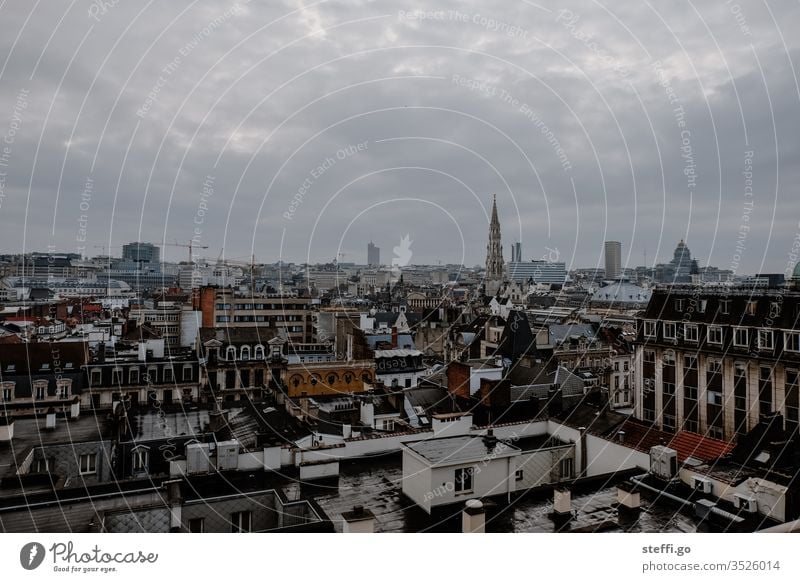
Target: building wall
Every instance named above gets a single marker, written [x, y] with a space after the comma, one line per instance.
[542, 467]
[328, 378]
[416, 482]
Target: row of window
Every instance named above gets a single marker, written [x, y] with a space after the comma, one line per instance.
[39, 392]
[715, 335]
[263, 306]
[134, 377]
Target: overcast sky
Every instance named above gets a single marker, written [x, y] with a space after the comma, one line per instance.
[303, 130]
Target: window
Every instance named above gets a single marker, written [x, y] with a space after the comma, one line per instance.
[679, 303]
[691, 425]
[691, 332]
[241, 521]
[701, 305]
[741, 337]
[766, 339]
[96, 377]
[187, 373]
[725, 306]
[7, 391]
[42, 466]
[714, 334]
[63, 388]
[791, 341]
[669, 422]
[566, 468]
[750, 309]
[40, 389]
[88, 464]
[669, 388]
[690, 392]
[625, 366]
[649, 329]
[463, 479]
[230, 353]
[714, 367]
[197, 525]
[669, 330]
[649, 356]
[141, 458]
[116, 376]
[258, 354]
[714, 398]
[518, 475]
[133, 376]
[616, 366]
[245, 351]
[168, 374]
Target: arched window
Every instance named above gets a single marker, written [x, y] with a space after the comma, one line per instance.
[332, 379]
[230, 353]
[258, 354]
[140, 461]
[245, 352]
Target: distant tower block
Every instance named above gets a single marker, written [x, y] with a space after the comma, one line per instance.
[373, 255]
[613, 254]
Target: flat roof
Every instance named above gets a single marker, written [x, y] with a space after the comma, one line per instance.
[461, 449]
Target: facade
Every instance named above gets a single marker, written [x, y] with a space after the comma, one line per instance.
[163, 316]
[613, 256]
[140, 252]
[274, 314]
[546, 272]
[399, 368]
[494, 254]
[373, 255]
[143, 377]
[442, 471]
[714, 361]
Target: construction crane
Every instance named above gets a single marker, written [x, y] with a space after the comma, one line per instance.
[186, 246]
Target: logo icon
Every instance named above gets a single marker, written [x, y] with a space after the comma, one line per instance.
[31, 555]
[402, 257]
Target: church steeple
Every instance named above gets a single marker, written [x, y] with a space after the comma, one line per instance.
[494, 253]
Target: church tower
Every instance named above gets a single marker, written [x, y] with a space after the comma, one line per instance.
[494, 254]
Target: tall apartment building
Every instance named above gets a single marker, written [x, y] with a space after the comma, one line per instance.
[613, 256]
[225, 307]
[373, 255]
[713, 361]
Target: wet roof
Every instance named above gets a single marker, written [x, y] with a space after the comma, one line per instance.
[460, 449]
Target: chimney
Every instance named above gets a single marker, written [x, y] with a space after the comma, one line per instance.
[218, 418]
[50, 419]
[359, 520]
[394, 338]
[175, 500]
[562, 502]
[473, 517]
[490, 440]
[621, 437]
[628, 497]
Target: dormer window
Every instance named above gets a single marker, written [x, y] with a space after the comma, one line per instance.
[245, 352]
[258, 354]
[230, 353]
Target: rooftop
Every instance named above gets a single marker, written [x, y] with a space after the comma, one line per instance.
[461, 449]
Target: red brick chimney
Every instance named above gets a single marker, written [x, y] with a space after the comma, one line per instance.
[394, 338]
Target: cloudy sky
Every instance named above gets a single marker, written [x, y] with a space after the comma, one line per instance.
[302, 130]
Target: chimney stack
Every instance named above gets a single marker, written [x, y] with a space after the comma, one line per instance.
[359, 520]
[473, 517]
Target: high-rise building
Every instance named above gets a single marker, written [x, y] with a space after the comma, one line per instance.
[613, 253]
[373, 255]
[140, 252]
[538, 272]
[516, 252]
[494, 254]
